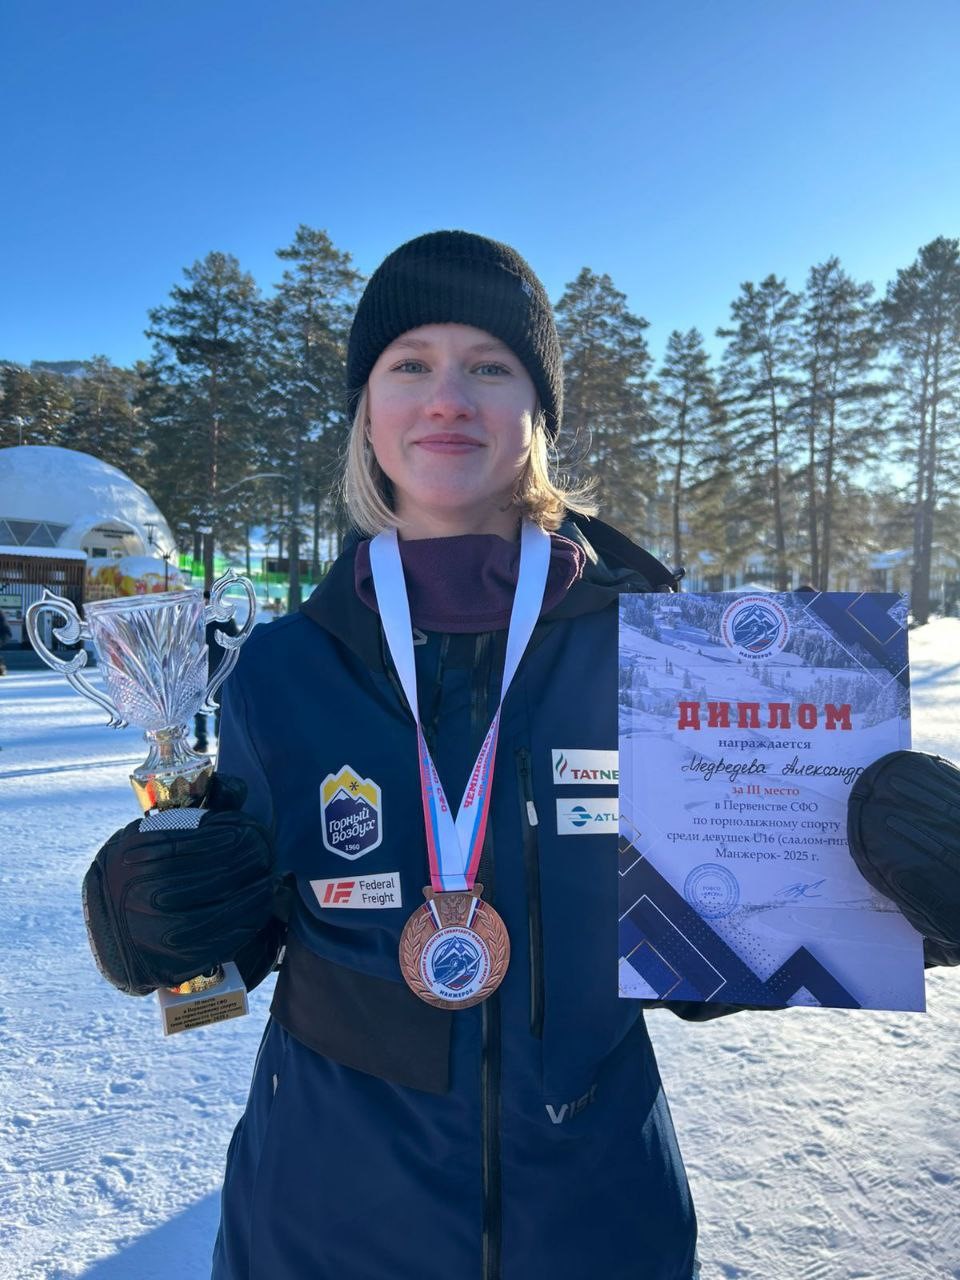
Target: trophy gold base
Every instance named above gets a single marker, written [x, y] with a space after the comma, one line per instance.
[202, 982]
[225, 998]
[173, 776]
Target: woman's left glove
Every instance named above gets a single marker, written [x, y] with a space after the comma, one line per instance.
[903, 826]
[162, 906]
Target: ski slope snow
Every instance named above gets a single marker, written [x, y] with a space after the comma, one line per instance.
[821, 1144]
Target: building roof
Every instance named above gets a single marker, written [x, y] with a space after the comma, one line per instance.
[44, 553]
[74, 492]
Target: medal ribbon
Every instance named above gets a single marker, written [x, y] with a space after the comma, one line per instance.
[454, 845]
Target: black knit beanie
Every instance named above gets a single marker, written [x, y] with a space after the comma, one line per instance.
[455, 277]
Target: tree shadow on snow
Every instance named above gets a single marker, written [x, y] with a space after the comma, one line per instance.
[181, 1247]
[938, 673]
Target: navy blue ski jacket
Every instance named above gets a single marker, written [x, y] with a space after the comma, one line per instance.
[384, 1139]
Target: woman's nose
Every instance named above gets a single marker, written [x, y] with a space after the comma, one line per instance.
[450, 395]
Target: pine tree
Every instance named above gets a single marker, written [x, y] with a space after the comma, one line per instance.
[607, 396]
[34, 406]
[687, 425]
[104, 420]
[921, 314]
[309, 323]
[201, 395]
[839, 401]
[758, 388]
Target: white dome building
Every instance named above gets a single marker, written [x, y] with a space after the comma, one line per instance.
[78, 527]
[52, 497]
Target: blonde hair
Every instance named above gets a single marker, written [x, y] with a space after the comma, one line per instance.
[543, 494]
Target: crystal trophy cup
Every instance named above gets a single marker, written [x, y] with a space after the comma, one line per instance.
[152, 652]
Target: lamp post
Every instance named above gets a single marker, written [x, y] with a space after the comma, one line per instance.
[206, 534]
[165, 557]
[184, 539]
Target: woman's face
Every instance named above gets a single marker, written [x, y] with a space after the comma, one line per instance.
[451, 420]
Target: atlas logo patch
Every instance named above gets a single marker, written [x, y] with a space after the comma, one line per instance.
[371, 893]
[572, 767]
[582, 816]
[351, 810]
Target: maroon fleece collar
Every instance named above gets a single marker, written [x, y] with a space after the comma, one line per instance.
[466, 584]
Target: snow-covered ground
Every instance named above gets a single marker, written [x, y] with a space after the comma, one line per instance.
[821, 1145]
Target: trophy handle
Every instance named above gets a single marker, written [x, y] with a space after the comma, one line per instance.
[217, 611]
[71, 631]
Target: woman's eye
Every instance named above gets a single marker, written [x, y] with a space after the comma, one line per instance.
[409, 366]
[492, 368]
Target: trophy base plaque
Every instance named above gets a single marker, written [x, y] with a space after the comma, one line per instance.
[225, 999]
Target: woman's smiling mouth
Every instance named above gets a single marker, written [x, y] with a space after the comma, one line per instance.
[448, 442]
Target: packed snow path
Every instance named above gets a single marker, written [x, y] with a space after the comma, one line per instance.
[821, 1145]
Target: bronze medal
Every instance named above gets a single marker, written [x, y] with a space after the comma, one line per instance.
[454, 950]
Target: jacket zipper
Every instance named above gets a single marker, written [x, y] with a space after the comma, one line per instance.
[491, 1231]
[480, 718]
[480, 715]
[430, 722]
[490, 1137]
[531, 859]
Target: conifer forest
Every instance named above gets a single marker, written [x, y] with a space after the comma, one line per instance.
[825, 432]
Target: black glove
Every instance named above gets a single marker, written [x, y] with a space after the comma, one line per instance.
[164, 906]
[903, 825]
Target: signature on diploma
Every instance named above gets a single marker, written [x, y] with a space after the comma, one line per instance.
[798, 890]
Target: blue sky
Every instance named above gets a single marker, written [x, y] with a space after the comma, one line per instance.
[682, 146]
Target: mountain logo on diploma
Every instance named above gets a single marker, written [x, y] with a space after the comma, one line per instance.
[754, 627]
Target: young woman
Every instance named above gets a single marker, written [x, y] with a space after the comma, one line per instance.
[449, 1087]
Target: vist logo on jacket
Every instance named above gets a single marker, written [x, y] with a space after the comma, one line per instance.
[569, 1109]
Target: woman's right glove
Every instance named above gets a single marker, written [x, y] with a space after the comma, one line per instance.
[903, 825]
[164, 906]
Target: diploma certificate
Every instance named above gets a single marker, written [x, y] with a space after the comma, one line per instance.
[744, 722]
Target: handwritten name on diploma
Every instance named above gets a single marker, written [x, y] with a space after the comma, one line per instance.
[710, 768]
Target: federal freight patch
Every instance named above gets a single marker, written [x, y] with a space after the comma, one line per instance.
[352, 818]
[371, 893]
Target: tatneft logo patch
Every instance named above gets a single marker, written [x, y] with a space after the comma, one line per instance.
[584, 816]
[352, 823]
[366, 892]
[572, 767]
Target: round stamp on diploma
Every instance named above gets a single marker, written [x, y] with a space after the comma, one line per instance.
[711, 890]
